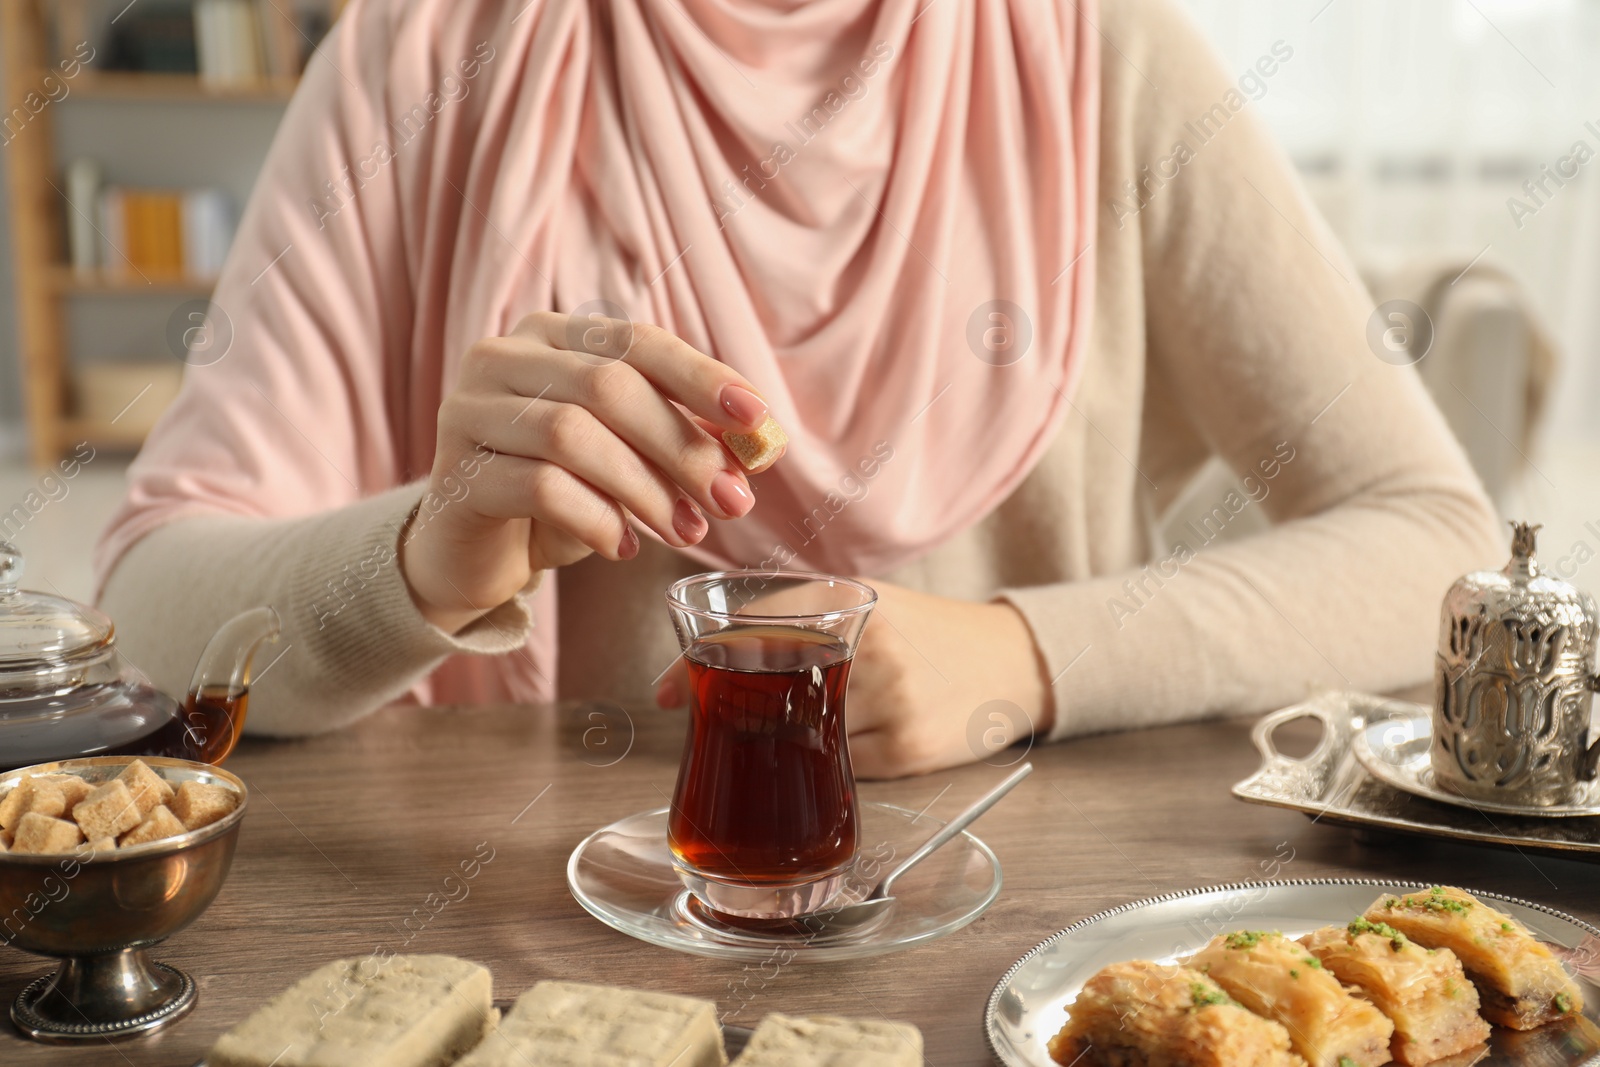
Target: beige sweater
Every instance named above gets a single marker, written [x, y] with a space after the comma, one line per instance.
[1227, 322]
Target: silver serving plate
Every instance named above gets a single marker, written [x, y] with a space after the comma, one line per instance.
[1028, 1006]
[734, 1038]
[1331, 786]
[1395, 750]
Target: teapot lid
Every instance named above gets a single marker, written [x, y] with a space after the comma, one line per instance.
[38, 630]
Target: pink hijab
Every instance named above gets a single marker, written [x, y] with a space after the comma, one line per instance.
[879, 211]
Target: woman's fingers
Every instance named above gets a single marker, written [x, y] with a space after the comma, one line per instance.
[574, 438]
[618, 395]
[876, 754]
[709, 388]
[672, 691]
[517, 487]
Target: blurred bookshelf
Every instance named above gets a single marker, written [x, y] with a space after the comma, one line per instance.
[76, 234]
[137, 85]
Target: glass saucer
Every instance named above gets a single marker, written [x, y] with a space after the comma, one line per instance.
[623, 876]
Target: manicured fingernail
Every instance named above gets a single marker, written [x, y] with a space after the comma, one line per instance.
[732, 495]
[687, 520]
[743, 405]
[630, 543]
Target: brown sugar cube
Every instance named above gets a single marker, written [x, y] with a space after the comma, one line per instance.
[149, 789]
[5, 840]
[16, 803]
[41, 833]
[104, 844]
[107, 811]
[202, 803]
[72, 787]
[161, 823]
[34, 793]
[48, 798]
[759, 448]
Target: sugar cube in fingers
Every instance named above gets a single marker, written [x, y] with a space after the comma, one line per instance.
[108, 811]
[41, 833]
[161, 823]
[148, 788]
[198, 804]
[759, 448]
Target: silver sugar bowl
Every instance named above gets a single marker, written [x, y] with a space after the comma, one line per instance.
[1512, 685]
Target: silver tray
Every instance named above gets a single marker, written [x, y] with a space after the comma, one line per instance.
[1028, 1004]
[1396, 750]
[1330, 785]
[734, 1038]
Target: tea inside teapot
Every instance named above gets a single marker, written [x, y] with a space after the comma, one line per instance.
[65, 691]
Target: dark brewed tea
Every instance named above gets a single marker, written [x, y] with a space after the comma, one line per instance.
[204, 729]
[118, 720]
[765, 792]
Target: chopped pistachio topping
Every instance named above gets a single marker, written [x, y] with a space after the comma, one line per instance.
[1434, 900]
[1247, 938]
[1203, 995]
[1563, 1003]
[1395, 938]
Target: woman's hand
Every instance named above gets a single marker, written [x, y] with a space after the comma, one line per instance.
[554, 438]
[925, 670]
[926, 667]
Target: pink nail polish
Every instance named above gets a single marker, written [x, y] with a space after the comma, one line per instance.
[630, 543]
[688, 522]
[743, 405]
[732, 495]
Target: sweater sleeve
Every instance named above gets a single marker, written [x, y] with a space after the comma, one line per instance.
[1256, 321]
[352, 638]
[283, 472]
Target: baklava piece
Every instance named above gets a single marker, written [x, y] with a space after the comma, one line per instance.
[1520, 982]
[1423, 991]
[1280, 980]
[1143, 1014]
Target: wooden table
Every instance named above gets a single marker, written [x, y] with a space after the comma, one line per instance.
[348, 833]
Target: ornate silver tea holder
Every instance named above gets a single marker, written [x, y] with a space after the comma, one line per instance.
[1513, 685]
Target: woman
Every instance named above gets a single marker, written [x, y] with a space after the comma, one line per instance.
[1007, 271]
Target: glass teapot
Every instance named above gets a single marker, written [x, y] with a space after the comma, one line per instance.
[65, 690]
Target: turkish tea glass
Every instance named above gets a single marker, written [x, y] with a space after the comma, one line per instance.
[763, 822]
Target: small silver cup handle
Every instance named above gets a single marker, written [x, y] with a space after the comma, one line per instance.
[1589, 765]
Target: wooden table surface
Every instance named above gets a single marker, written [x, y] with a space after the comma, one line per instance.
[348, 833]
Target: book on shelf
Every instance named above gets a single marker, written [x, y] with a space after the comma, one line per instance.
[164, 233]
[156, 36]
[228, 43]
[84, 179]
